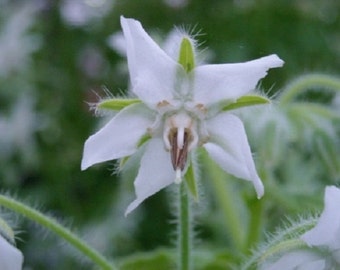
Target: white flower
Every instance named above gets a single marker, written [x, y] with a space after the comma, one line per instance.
[323, 240]
[10, 257]
[297, 260]
[327, 231]
[180, 110]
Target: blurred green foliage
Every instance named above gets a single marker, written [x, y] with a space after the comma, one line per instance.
[57, 56]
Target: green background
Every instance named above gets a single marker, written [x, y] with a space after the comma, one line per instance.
[54, 60]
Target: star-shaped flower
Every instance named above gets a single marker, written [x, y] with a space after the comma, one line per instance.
[182, 107]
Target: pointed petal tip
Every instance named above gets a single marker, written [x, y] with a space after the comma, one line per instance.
[84, 162]
[259, 196]
[276, 61]
[84, 165]
[259, 188]
[132, 206]
[124, 20]
[126, 23]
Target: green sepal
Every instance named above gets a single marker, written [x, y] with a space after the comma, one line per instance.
[141, 141]
[244, 101]
[191, 182]
[6, 231]
[123, 161]
[116, 104]
[186, 55]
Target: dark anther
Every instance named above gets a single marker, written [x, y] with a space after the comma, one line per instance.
[179, 156]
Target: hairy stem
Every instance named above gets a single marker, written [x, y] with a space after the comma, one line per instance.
[184, 228]
[309, 81]
[228, 205]
[256, 220]
[57, 228]
[288, 239]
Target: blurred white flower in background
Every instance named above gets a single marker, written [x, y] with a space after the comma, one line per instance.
[176, 3]
[323, 241]
[116, 41]
[16, 44]
[17, 138]
[17, 129]
[326, 234]
[82, 12]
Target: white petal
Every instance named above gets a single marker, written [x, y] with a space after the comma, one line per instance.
[119, 137]
[327, 231]
[214, 83]
[10, 257]
[152, 71]
[319, 264]
[155, 172]
[297, 260]
[229, 148]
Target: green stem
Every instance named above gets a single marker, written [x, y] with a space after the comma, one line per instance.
[255, 223]
[56, 227]
[306, 82]
[285, 240]
[225, 198]
[184, 228]
[290, 244]
[256, 214]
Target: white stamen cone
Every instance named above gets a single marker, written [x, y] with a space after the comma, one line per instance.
[178, 178]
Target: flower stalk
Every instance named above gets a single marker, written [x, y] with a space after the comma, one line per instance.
[285, 239]
[57, 228]
[306, 82]
[224, 196]
[184, 228]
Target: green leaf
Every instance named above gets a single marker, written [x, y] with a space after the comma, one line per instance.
[116, 104]
[205, 259]
[244, 101]
[186, 55]
[159, 259]
[214, 260]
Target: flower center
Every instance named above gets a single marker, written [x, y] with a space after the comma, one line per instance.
[179, 152]
[180, 137]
